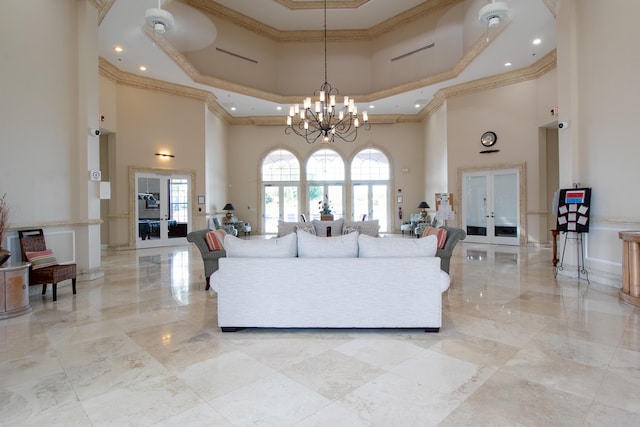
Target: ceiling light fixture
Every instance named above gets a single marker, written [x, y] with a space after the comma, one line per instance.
[324, 118]
[159, 19]
[165, 155]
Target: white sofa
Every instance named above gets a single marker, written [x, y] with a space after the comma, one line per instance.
[261, 283]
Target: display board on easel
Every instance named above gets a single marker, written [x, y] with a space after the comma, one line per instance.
[444, 206]
[574, 208]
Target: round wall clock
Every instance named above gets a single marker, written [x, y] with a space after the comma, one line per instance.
[488, 138]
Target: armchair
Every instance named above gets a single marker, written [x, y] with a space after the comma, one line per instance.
[228, 228]
[410, 224]
[210, 258]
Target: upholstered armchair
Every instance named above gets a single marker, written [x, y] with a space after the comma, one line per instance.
[210, 258]
[410, 224]
[228, 228]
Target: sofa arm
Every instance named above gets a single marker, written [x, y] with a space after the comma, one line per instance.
[453, 236]
[210, 258]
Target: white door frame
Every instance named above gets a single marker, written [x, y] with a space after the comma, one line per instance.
[133, 205]
[522, 197]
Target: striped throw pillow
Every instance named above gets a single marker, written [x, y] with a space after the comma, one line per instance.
[440, 233]
[41, 259]
[214, 239]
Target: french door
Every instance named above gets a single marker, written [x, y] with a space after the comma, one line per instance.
[372, 200]
[279, 202]
[491, 206]
[162, 209]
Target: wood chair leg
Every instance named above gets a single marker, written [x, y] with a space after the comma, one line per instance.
[208, 285]
[44, 288]
[73, 285]
[55, 291]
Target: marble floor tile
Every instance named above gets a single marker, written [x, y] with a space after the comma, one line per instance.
[141, 346]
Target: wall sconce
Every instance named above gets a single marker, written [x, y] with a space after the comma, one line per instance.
[165, 155]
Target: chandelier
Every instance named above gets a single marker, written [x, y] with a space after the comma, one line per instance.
[323, 117]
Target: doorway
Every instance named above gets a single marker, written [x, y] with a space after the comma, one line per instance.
[279, 202]
[491, 210]
[162, 204]
[372, 200]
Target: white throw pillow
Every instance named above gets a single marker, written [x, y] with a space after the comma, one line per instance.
[376, 247]
[342, 246]
[280, 247]
[370, 227]
[285, 227]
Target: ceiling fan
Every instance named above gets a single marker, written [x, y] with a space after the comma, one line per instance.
[493, 13]
[159, 19]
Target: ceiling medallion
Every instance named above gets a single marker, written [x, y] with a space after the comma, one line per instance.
[323, 118]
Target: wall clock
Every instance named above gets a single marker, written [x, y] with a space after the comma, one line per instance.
[488, 138]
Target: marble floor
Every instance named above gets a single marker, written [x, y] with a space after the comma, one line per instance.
[141, 347]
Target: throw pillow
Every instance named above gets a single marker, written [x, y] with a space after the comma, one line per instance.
[285, 228]
[279, 247]
[214, 239]
[306, 227]
[440, 233]
[341, 246]
[321, 227]
[347, 229]
[41, 259]
[381, 247]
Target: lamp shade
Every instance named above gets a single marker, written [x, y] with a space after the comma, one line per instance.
[423, 205]
[228, 207]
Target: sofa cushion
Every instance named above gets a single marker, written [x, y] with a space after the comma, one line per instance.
[321, 227]
[279, 247]
[285, 227]
[369, 228]
[340, 246]
[380, 247]
[440, 233]
[306, 226]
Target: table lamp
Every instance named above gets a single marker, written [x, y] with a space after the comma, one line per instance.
[229, 207]
[424, 206]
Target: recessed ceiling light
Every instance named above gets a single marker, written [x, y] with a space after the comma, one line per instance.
[372, 107]
[537, 41]
[143, 68]
[233, 108]
[507, 64]
[118, 49]
[278, 108]
[417, 105]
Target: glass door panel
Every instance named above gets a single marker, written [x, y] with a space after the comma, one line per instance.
[271, 206]
[380, 206]
[474, 195]
[360, 201]
[333, 193]
[505, 204]
[290, 204]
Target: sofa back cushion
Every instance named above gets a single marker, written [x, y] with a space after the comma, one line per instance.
[321, 227]
[279, 247]
[341, 246]
[369, 228]
[285, 227]
[381, 247]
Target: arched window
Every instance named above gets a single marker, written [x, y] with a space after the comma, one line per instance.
[281, 189]
[325, 176]
[370, 175]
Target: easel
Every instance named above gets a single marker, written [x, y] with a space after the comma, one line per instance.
[580, 243]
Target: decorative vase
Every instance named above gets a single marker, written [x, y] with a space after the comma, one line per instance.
[4, 256]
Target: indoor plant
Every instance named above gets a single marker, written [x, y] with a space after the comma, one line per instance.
[4, 219]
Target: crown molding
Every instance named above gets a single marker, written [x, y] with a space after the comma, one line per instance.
[109, 71]
[532, 72]
[424, 9]
[103, 7]
[311, 4]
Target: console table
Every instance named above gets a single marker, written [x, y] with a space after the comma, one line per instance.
[630, 291]
[14, 289]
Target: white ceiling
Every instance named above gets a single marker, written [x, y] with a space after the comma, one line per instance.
[124, 26]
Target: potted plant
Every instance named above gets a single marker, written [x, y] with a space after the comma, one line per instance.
[325, 209]
[4, 220]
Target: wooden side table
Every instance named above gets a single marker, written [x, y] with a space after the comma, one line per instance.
[630, 291]
[554, 234]
[14, 290]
